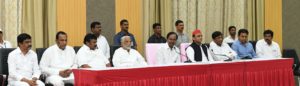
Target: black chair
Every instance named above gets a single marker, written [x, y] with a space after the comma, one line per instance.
[253, 44]
[207, 44]
[230, 44]
[76, 48]
[4, 65]
[291, 53]
[39, 52]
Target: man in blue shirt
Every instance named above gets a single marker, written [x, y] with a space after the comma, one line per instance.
[124, 32]
[242, 47]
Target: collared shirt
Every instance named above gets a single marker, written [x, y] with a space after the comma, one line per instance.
[103, 45]
[156, 39]
[123, 58]
[117, 38]
[229, 39]
[5, 44]
[167, 55]
[55, 59]
[264, 50]
[22, 66]
[221, 53]
[243, 50]
[182, 38]
[191, 54]
[93, 58]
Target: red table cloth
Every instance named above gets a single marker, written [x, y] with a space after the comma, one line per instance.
[276, 72]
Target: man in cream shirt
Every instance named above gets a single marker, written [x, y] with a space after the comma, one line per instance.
[220, 50]
[102, 43]
[4, 43]
[266, 48]
[23, 64]
[168, 53]
[89, 56]
[58, 60]
[125, 56]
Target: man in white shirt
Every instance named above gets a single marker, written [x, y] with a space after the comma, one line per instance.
[266, 48]
[89, 56]
[232, 35]
[58, 60]
[198, 52]
[3, 43]
[220, 50]
[102, 43]
[23, 64]
[168, 53]
[125, 56]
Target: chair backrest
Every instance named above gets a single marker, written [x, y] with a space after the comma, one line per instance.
[40, 52]
[253, 44]
[151, 50]
[76, 48]
[291, 53]
[3, 59]
[230, 44]
[183, 55]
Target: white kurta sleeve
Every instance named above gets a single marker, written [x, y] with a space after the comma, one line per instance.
[45, 64]
[278, 51]
[141, 59]
[107, 53]
[117, 59]
[12, 68]
[190, 54]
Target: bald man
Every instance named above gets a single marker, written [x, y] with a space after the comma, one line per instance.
[197, 52]
[125, 56]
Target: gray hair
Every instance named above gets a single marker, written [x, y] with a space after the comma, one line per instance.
[123, 38]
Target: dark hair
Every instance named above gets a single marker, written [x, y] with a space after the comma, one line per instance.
[230, 27]
[243, 31]
[216, 34]
[89, 37]
[122, 21]
[60, 33]
[1, 32]
[172, 33]
[93, 24]
[155, 24]
[177, 22]
[22, 37]
[268, 32]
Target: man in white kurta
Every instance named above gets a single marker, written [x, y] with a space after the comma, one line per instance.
[23, 64]
[4, 43]
[190, 52]
[232, 35]
[102, 43]
[89, 56]
[168, 53]
[266, 48]
[58, 61]
[220, 50]
[125, 56]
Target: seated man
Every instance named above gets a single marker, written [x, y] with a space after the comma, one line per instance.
[168, 53]
[4, 43]
[157, 37]
[127, 57]
[58, 60]
[23, 64]
[89, 56]
[220, 50]
[198, 52]
[242, 47]
[266, 48]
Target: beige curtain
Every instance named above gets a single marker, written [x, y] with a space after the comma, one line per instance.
[10, 19]
[39, 20]
[207, 15]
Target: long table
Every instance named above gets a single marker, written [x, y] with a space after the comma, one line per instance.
[276, 72]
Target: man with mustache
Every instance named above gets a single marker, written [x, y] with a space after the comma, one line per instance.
[156, 37]
[182, 37]
[266, 48]
[89, 56]
[232, 35]
[243, 47]
[23, 64]
[58, 61]
[127, 57]
[124, 32]
[168, 53]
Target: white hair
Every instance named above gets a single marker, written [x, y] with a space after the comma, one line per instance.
[123, 38]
